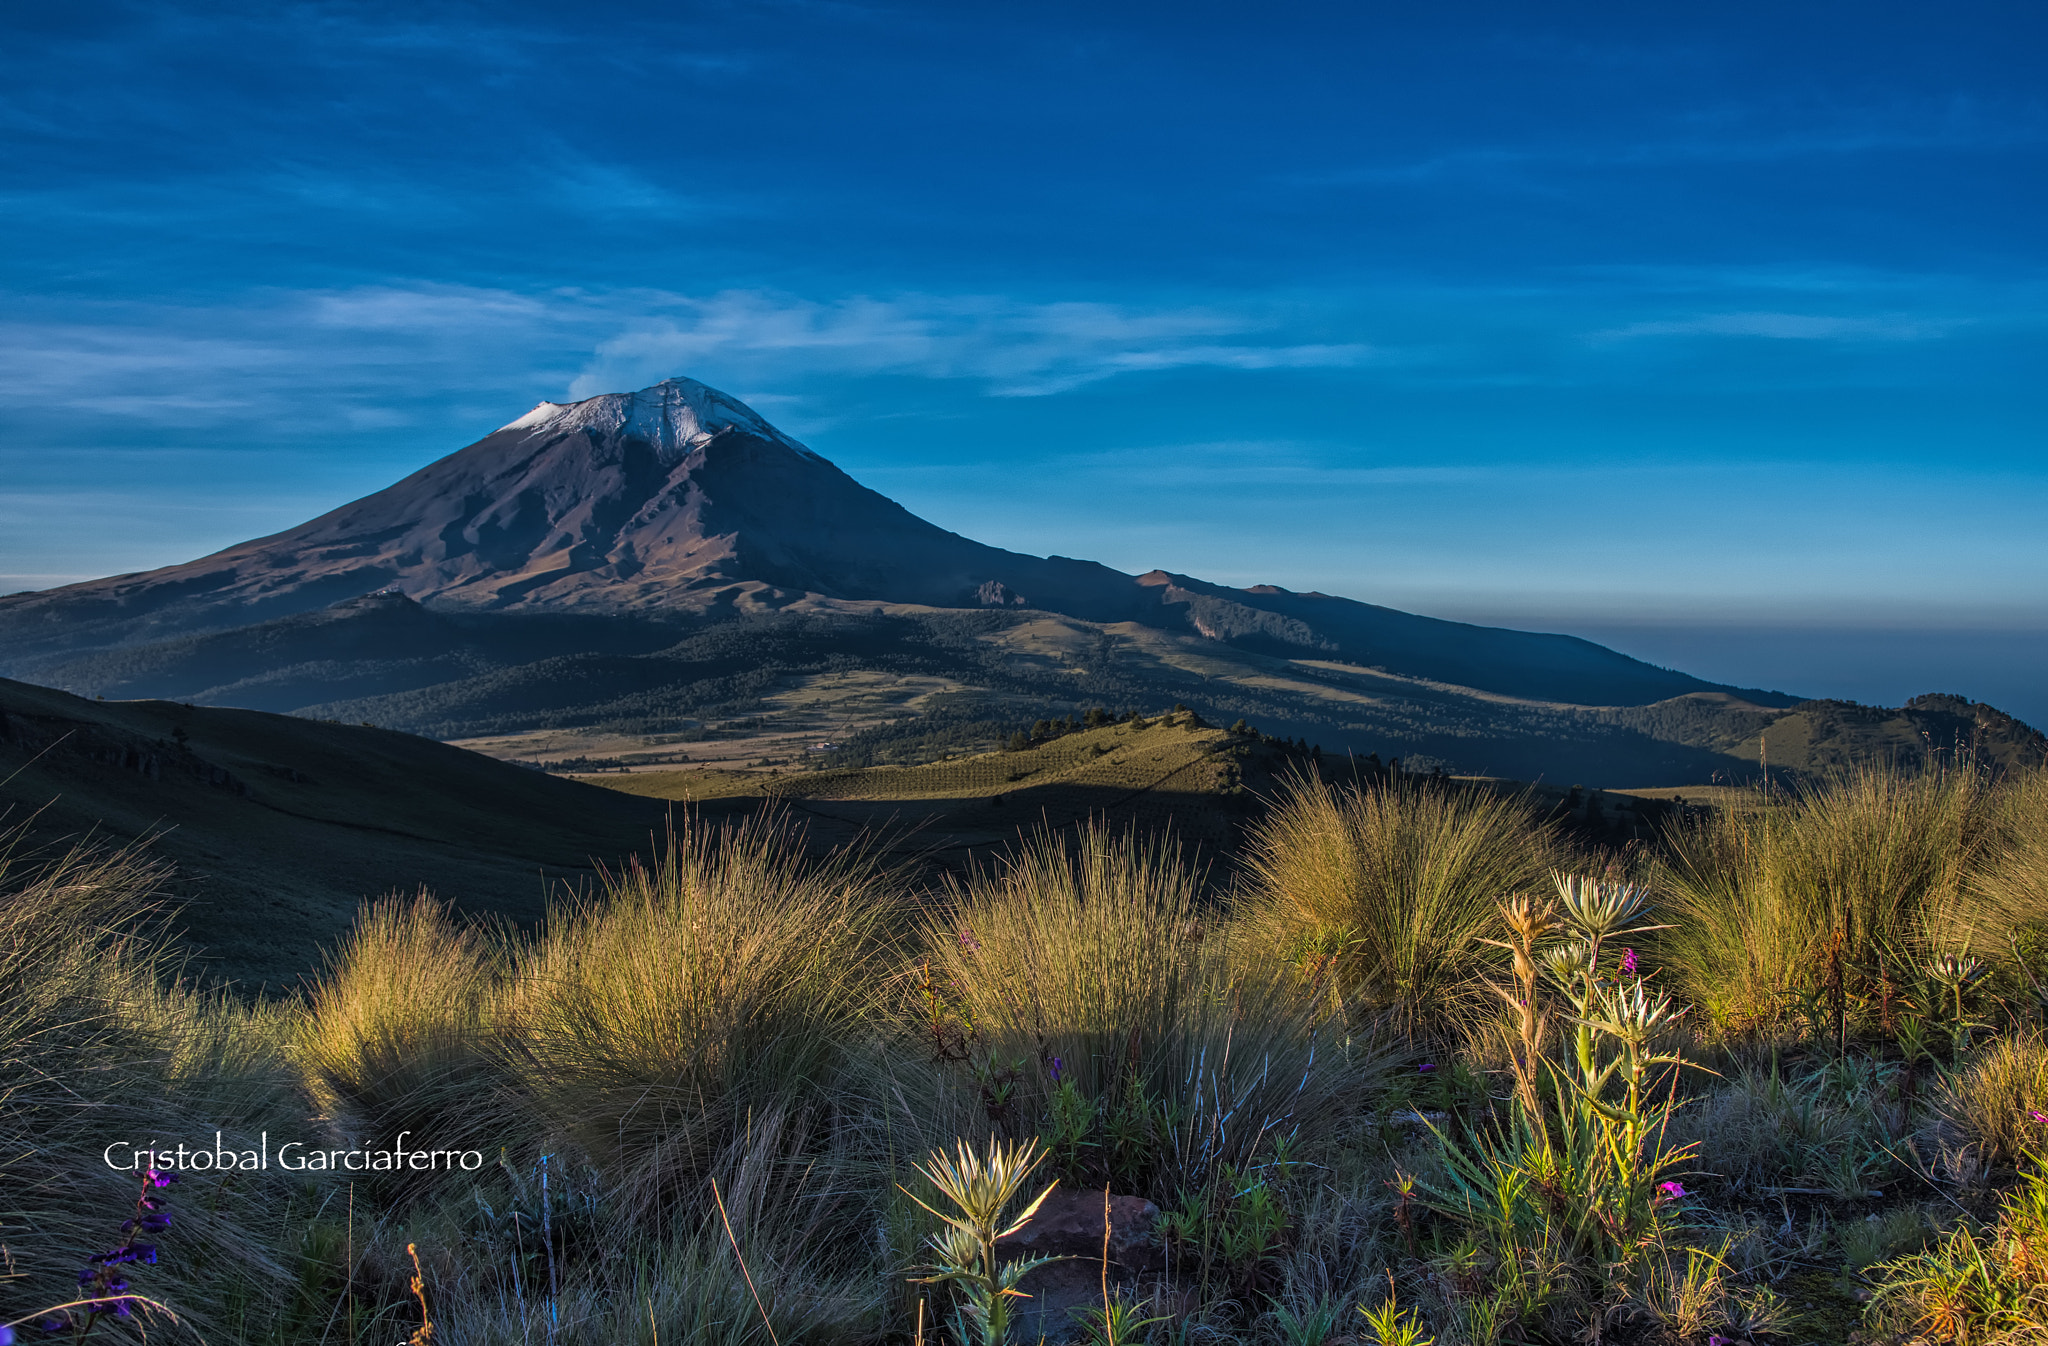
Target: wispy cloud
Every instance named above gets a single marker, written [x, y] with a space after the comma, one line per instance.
[1715, 135]
[1017, 349]
[377, 357]
[362, 356]
[1789, 327]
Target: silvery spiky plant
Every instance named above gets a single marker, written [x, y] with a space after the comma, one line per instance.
[1582, 1172]
[981, 1187]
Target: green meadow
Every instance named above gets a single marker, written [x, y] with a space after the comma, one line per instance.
[1424, 1064]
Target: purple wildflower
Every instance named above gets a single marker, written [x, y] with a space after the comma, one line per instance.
[1670, 1190]
[6, 1336]
[1628, 962]
[1054, 1069]
[102, 1289]
[968, 943]
[1427, 1068]
[2038, 1116]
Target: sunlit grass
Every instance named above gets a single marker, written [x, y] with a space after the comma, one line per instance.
[1842, 892]
[807, 1034]
[1084, 973]
[1391, 888]
[702, 1005]
[404, 1033]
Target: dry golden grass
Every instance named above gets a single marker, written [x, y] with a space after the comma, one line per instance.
[1858, 880]
[695, 1017]
[403, 1033]
[1095, 950]
[97, 1045]
[1392, 887]
[2011, 885]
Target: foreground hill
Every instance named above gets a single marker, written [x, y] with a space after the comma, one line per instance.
[279, 826]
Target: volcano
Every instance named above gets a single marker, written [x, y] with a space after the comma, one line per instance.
[680, 501]
[675, 497]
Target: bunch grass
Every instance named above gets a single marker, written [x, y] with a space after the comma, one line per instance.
[701, 1012]
[1086, 972]
[1840, 893]
[1388, 889]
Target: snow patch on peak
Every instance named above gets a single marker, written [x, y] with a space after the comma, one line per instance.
[675, 416]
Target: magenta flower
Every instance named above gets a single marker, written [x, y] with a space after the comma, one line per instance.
[968, 943]
[1628, 962]
[1670, 1190]
[2038, 1116]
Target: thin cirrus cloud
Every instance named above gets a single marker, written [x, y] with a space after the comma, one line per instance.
[1789, 327]
[384, 355]
[1017, 349]
[359, 353]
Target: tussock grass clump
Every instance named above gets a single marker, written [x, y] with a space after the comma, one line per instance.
[1085, 984]
[2011, 885]
[700, 1010]
[1392, 887]
[1997, 1098]
[1839, 894]
[403, 1031]
[99, 1045]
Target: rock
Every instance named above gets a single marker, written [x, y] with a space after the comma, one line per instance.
[1069, 1224]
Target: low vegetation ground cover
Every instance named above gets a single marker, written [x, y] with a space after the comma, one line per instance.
[1429, 1068]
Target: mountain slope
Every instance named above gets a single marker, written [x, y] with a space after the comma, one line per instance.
[279, 826]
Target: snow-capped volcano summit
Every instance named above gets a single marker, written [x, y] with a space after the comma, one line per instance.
[676, 497]
[682, 499]
[674, 416]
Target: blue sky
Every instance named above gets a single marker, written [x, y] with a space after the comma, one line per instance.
[1716, 333]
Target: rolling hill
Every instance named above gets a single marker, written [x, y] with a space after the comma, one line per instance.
[279, 826]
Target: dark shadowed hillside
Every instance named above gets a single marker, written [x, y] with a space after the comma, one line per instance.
[279, 826]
